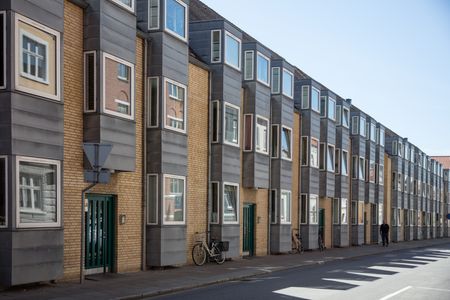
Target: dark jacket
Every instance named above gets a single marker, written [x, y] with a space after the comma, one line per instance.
[384, 229]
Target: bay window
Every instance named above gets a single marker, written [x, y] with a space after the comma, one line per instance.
[175, 106]
[345, 117]
[152, 199]
[176, 18]
[323, 106]
[262, 141]
[313, 209]
[3, 192]
[344, 163]
[174, 189]
[285, 211]
[262, 68]
[216, 46]
[232, 51]
[330, 158]
[230, 203]
[248, 132]
[231, 124]
[314, 153]
[331, 109]
[344, 214]
[286, 143]
[275, 140]
[288, 83]
[276, 80]
[315, 99]
[305, 97]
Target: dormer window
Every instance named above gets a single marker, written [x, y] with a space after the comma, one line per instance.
[315, 96]
[288, 84]
[262, 68]
[232, 51]
[176, 18]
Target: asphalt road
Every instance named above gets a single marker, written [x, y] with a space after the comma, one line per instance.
[407, 274]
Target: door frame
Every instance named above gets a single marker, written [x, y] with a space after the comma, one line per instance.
[250, 234]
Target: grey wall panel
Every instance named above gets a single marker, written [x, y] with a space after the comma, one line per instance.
[231, 233]
[5, 123]
[47, 12]
[175, 59]
[248, 172]
[340, 236]
[357, 235]
[287, 111]
[37, 127]
[216, 162]
[309, 180]
[173, 245]
[310, 236]
[249, 97]
[154, 62]
[262, 103]
[232, 86]
[231, 164]
[286, 175]
[5, 258]
[261, 171]
[276, 174]
[276, 114]
[91, 29]
[217, 82]
[174, 153]
[142, 14]
[280, 238]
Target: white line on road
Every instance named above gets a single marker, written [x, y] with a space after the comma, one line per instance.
[308, 293]
[389, 269]
[396, 293]
[348, 281]
[368, 274]
[433, 289]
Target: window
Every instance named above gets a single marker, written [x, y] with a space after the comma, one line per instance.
[303, 209]
[374, 213]
[330, 158]
[248, 132]
[354, 212]
[337, 161]
[331, 109]
[262, 141]
[372, 132]
[123, 72]
[288, 84]
[367, 132]
[127, 4]
[174, 199]
[118, 94]
[176, 18]
[273, 207]
[152, 199]
[360, 212]
[323, 106]
[338, 115]
[286, 146]
[232, 51]
[305, 97]
[262, 68]
[275, 140]
[153, 102]
[230, 203]
[38, 192]
[394, 217]
[354, 125]
[276, 80]
[215, 111]
[175, 105]
[215, 196]
[248, 65]
[394, 181]
[315, 96]
[285, 211]
[322, 156]
[2, 50]
[362, 126]
[372, 172]
[3, 192]
[304, 151]
[345, 117]
[377, 176]
[394, 148]
[314, 154]
[153, 14]
[399, 182]
[313, 209]
[355, 167]
[362, 169]
[344, 218]
[336, 211]
[344, 163]
[231, 125]
[400, 152]
[380, 214]
[216, 46]
[90, 79]
[38, 58]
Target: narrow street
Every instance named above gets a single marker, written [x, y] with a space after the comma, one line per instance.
[408, 274]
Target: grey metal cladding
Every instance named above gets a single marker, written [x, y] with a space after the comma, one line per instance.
[47, 12]
[37, 127]
[200, 38]
[275, 179]
[231, 164]
[248, 172]
[5, 124]
[232, 85]
[286, 175]
[276, 115]
[287, 112]
[175, 59]
[166, 245]
[262, 101]
[216, 162]
[5, 258]
[261, 168]
[174, 154]
[154, 151]
[309, 180]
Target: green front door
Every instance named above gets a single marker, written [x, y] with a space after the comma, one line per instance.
[322, 224]
[249, 229]
[99, 232]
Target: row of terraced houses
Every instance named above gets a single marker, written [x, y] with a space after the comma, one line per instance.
[211, 131]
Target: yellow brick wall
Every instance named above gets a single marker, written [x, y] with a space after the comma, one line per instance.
[127, 187]
[327, 204]
[197, 179]
[368, 223]
[259, 197]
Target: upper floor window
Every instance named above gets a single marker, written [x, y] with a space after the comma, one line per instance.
[90, 81]
[315, 96]
[305, 97]
[262, 141]
[330, 158]
[314, 153]
[262, 68]
[355, 125]
[38, 63]
[3, 192]
[175, 106]
[118, 87]
[338, 115]
[230, 203]
[345, 117]
[331, 109]
[323, 106]
[249, 64]
[286, 143]
[153, 102]
[176, 18]
[127, 4]
[372, 132]
[362, 126]
[344, 163]
[216, 46]
[153, 14]
[231, 124]
[276, 80]
[288, 83]
[232, 51]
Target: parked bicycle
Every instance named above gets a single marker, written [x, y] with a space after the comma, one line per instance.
[297, 244]
[214, 251]
[320, 241]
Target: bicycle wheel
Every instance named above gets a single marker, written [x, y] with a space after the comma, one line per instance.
[302, 249]
[219, 256]
[198, 254]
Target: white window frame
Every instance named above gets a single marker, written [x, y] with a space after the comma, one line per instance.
[85, 54]
[251, 133]
[355, 125]
[6, 190]
[38, 40]
[281, 146]
[238, 67]
[317, 209]
[215, 139]
[291, 96]
[267, 134]
[324, 112]
[272, 200]
[259, 54]
[166, 81]
[328, 108]
[170, 176]
[238, 207]
[346, 111]
[279, 81]
[342, 162]
[18, 57]
[308, 158]
[186, 14]
[252, 60]
[305, 103]
[362, 132]
[149, 108]
[363, 171]
[126, 7]
[278, 140]
[355, 176]
[334, 158]
[237, 144]
[3, 13]
[218, 203]
[289, 213]
[150, 17]
[220, 46]
[157, 198]
[316, 166]
[337, 161]
[58, 192]
[132, 82]
[306, 212]
[346, 211]
[318, 109]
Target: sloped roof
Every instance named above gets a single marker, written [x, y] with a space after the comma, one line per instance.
[444, 160]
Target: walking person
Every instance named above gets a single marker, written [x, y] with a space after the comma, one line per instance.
[384, 231]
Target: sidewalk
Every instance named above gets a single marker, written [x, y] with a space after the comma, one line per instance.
[151, 283]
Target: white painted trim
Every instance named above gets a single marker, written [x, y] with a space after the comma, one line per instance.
[317, 208]
[18, 57]
[252, 53]
[157, 198]
[307, 150]
[220, 45]
[225, 104]
[149, 107]
[278, 140]
[318, 91]
[318, 152]
[355, 125]
[290, 206]
[346, 212]
[279, 81]
[292, 85]
[238, 205]
[252, 139]
[276, 206]
[149, 16]
[186, 14]
[306, 209]
[132, 77]
[6, 190]
[23, 33]
[328, 108]
[267, 134]
[167, 80]
[291, 142]
[323, 159]
[347, 165]
[348, 114]
[58, 192]
[3, 13]
[268, 68]
[337, 160]
[238, 67]
[123, 5]
[85, 54]
[164, 202]
[334, 155]
[215, 139]
[218, 203]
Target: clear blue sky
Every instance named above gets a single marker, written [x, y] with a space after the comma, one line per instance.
[392, 58]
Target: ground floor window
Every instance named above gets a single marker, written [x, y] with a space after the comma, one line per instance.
[230, 202]
[152, 199]
[313, 209]
[285, 211]
[360, 212]
[174, 199]
[344, 215]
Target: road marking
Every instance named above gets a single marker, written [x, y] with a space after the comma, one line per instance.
[308, 293]
[433, 289]
[426, 258]
[348, 281]
[389, 269]
[393, 263]
[396, 293]
[368, 274]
